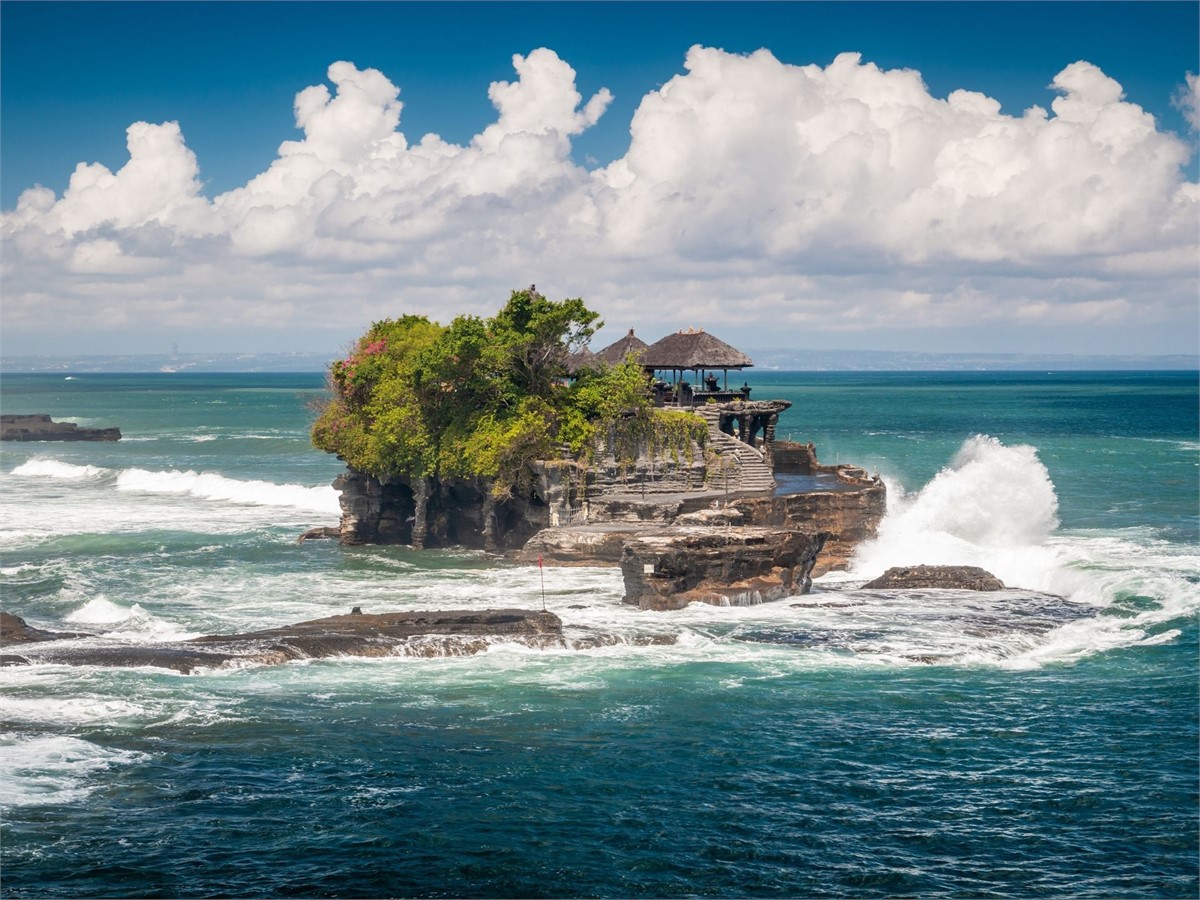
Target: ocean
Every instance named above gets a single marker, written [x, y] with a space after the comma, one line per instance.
[1038, 741]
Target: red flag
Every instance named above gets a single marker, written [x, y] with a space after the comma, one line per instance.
[539, 560]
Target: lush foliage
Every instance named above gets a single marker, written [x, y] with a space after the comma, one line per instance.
[484, 397]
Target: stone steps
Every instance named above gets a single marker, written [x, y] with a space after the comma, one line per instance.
[752, 472]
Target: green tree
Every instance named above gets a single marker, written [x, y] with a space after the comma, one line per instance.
[482, 398]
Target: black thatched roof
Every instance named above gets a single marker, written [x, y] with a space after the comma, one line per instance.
[694, 349]
[617, 352]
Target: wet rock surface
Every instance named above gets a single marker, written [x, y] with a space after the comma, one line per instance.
[668, 568]
[424, 633]
[599, 544]
[15, 630]
[43, 428]
[960, 578]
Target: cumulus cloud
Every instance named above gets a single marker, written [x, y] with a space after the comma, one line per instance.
[752, 155]
[840, 197]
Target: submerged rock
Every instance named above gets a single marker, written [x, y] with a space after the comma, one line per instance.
[321, 533]
[424, 633]
[960, 578]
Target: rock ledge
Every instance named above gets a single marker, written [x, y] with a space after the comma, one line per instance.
[43, 428]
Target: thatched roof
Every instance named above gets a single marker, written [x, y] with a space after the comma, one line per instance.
[618, 351]
[694, 349]
[583, 359]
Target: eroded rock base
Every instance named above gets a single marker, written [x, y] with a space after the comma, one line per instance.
[669, 568]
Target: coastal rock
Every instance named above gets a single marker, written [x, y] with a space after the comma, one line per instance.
[716, 515]
[432, 512]
[14, 630]
[321, 533]
[849, 517]
[961, 578]
[43, 428]
[424, 633]
[599, 544]
[668, 568]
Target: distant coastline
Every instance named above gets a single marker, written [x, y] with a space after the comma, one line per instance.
[766, 359]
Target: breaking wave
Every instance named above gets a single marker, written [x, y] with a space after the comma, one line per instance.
[207, 486]
[202, 485]
[52, 468]
[993, 506]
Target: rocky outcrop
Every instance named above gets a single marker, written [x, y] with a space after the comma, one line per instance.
[320, 533]
[849, 517]
[43, 428]
[426, 633]
[14, 630]
[668, 568]
[428, 513]
[598, 544]
[959, 578]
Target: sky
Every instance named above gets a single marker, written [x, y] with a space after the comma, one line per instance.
[928, 177]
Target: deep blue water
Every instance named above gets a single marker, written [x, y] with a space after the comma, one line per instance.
[843, 744]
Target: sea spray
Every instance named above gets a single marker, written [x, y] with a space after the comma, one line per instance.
[993, 506]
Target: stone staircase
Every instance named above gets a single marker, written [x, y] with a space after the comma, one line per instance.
[751, 473]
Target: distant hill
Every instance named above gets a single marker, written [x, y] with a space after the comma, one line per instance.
[792, 360]
[784, 359]
[181, 362]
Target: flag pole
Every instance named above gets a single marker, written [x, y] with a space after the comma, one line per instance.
[542, 576]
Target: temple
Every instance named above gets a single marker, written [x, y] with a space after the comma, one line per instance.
[729, 413]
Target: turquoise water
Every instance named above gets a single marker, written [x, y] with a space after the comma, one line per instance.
[846, 743]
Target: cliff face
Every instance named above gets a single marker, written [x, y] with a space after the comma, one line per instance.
[669, 568]
[435, 513]
[849, 517]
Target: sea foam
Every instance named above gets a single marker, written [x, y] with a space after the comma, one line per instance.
[995, 506]
[53, 769]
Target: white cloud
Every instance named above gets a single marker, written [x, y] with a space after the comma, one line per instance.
[753, 193]
[778, 160]
[1187, 100]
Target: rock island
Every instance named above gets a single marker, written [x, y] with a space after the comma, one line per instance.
[508, 434]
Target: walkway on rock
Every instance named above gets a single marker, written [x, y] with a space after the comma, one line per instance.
[751, 471]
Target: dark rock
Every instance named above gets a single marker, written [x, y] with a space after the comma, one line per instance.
[849, 517]
[668, 568]
[325, 532]
[425, 633]
[961, 578]
[14, 630]
[42, 428]
[598, 544]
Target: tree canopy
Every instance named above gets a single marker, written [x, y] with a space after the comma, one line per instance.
[478, 397]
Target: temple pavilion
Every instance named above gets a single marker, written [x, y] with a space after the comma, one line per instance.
[703, 355]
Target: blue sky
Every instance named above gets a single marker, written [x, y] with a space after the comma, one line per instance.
[75, 76]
